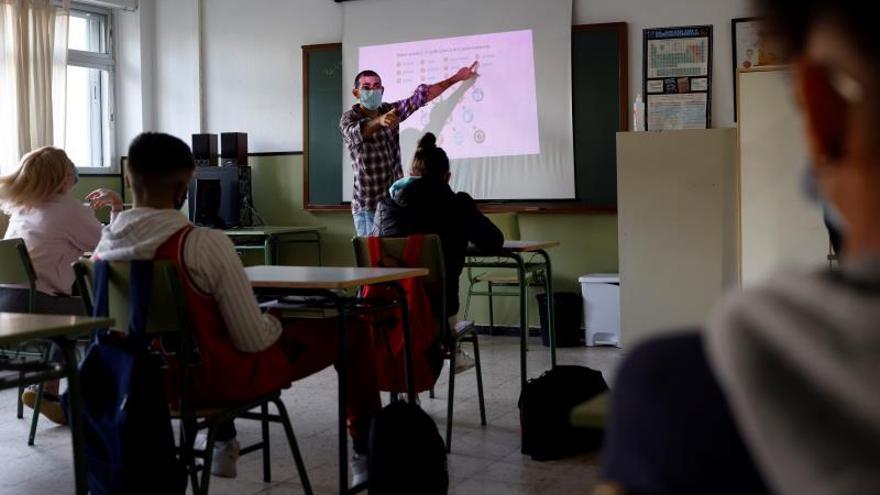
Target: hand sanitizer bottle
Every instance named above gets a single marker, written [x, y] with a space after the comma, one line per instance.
[638, 114]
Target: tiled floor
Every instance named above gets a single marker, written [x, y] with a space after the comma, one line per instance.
[483, 461]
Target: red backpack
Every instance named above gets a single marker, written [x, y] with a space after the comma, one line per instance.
[387, 326]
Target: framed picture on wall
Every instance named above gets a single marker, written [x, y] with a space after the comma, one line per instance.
[750, 50]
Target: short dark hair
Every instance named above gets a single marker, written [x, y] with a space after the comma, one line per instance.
[429, 160]
[788, 22]
[363, 73]
[155, 158]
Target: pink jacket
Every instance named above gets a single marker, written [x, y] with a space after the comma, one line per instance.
[56, 233]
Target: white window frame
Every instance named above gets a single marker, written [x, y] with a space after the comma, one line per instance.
[107, 62]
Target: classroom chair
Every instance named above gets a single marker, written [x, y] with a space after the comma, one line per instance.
[500, 279]
[435, 283]
[168, 314]
[16, 269]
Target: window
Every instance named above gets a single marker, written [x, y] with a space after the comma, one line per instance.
[89, 102]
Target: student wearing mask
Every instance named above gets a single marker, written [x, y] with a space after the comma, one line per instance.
[790, 366]
[57, 229]
[371, 133]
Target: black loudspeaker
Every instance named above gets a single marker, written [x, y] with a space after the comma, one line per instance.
[233, 149]
[204, 148]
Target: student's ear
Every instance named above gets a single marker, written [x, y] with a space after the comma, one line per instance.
[825, 111]
[448, 177]
[357, 93]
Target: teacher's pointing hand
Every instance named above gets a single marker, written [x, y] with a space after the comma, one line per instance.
[466, 73]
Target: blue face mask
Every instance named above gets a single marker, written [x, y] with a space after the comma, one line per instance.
[371, 98]
[811, 190]
[75, 174]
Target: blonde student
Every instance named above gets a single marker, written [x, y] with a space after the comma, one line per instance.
[57, 229]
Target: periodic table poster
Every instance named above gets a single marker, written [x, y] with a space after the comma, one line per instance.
[678, 78]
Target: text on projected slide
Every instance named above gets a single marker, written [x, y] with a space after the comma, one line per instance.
[494, 115]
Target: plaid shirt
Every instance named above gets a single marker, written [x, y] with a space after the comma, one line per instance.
[376, 160]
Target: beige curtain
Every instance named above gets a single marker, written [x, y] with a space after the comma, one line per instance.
[33, 67]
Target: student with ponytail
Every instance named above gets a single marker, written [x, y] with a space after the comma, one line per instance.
[423, 203]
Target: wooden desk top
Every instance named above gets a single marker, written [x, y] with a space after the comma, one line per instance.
[19, 327]
[517, 247]
[325, 277]
[274, 230]
[528, 246]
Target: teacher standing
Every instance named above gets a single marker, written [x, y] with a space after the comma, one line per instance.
[371, 133]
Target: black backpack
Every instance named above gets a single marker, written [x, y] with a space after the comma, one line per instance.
[545, 406]
[407, 454]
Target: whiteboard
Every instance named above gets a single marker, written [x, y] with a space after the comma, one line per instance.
[779, 226]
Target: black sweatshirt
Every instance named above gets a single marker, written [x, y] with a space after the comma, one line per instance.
[428, 206]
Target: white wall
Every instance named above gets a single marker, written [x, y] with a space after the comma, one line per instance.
[253, 66]
[253, 62]
[643, 14]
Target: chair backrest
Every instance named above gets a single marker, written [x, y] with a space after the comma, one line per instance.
[167, 311]
[431, 257]
[15, 264]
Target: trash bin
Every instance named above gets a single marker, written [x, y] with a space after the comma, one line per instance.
[568, 311]
[601, 308]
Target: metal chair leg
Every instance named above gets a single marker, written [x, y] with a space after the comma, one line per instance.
[491, 311]
[20, 410]
[36, 414]
[479, 370]
[450, 399]
[206, 465]
[267, 461]
[294, 448]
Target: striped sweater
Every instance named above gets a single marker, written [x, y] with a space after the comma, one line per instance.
[211, 262]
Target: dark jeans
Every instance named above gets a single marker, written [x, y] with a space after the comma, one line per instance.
[671, 431]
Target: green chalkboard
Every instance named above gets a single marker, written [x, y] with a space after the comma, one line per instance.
[322, 108]
[599, 99]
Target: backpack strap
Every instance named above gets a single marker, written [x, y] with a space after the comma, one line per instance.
[140, 285]
[412, 253]
[102, 276]
[139, 288]
[374, 248]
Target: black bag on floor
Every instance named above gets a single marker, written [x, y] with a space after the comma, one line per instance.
[544, 413]
[407, 454]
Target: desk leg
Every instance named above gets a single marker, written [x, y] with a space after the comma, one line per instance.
[318, 244]
[343, 374]
[68, 348]
[269, 250]
[523, 319]
[551, 305]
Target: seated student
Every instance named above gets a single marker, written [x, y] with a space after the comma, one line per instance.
[246, 353]
[796, 357]
[57, 229]
[423, 203]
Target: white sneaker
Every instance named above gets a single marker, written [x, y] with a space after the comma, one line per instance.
[463, 361]
[224, 458]
[359, 469]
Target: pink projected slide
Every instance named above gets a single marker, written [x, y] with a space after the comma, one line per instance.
[494, 115]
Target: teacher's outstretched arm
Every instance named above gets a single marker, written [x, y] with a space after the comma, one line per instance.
[463, 74]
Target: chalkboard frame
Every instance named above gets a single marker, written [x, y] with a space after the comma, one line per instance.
[306, 52]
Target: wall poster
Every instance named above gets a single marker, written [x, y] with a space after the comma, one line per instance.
[678, 78]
